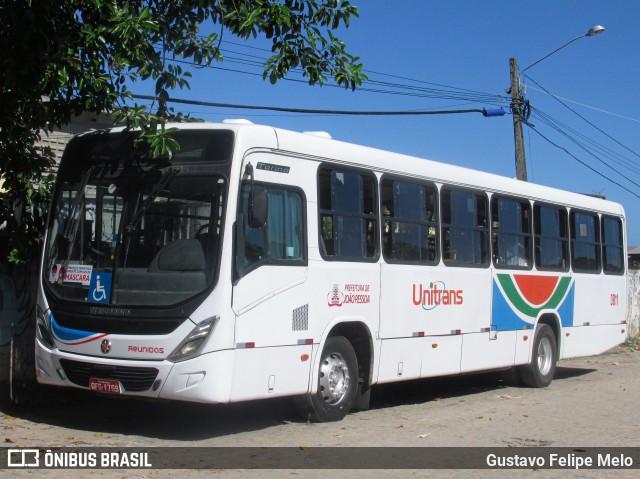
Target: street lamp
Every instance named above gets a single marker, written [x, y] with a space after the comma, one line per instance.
[517, 101]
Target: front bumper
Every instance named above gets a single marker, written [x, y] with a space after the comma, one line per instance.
[206, 378]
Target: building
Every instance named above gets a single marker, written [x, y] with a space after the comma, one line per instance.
[633, 255]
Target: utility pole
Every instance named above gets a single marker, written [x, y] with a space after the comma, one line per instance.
[517, 102]
[516, 109]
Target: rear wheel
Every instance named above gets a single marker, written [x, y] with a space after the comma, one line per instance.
[540, 371]
[337, 383]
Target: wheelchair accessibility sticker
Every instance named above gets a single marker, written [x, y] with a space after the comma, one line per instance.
[100, 288]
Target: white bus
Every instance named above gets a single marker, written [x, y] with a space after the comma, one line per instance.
[259, 262]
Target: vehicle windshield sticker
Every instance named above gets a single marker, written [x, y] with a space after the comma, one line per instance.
[100, 288]
[55, 273]
[78, 273]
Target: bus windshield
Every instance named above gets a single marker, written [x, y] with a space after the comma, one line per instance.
[127, 230]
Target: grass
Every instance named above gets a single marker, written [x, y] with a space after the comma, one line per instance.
[631, 344]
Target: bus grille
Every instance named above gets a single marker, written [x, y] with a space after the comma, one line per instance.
[132, 379]
[115, 325]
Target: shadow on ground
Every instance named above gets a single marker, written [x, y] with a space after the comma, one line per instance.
[80, 410]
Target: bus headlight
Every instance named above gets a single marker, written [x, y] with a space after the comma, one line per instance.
[193, 343]
[42, 327]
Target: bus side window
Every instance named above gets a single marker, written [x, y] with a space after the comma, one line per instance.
[511, 233]
[612, 247]
[410, 226]
[348, 215]
[282, 239]
[585, 242]
[552, 242]
[465, 229]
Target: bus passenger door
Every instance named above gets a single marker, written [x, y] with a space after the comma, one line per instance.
[270, 294]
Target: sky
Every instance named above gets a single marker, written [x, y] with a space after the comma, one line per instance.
[462, 46]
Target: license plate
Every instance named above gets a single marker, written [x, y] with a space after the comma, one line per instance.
[111, 386]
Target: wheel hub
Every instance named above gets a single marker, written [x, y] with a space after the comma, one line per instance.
[334, 378]
[545, 356]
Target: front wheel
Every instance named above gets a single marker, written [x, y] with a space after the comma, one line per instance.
[337, 383]
[540, 371]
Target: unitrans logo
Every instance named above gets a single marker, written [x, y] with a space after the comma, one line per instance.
[435, 295]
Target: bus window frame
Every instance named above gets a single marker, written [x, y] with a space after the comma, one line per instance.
[331, 167]
[496, 231]
[487, 263]
[436, 222]
[536, 237]
[623, 261]
[572, 240]
[305, 242]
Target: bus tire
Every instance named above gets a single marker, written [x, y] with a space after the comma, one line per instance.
[23, 385]
[337, 383]
[540, 371]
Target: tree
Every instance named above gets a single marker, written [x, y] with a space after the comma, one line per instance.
[61, 58]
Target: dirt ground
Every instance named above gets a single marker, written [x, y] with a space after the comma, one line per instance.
[593, 402]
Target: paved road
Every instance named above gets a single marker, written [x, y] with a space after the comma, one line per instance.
[592, 402]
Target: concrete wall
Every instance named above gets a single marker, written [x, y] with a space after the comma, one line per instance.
[633, 299]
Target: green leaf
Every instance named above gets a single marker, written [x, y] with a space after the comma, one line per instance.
[89, 56]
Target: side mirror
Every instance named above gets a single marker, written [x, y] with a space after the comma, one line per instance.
[258, 207]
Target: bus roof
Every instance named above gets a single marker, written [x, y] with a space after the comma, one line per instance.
[326, 149]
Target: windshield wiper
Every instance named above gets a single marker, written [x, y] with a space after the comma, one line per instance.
[157, 189]
[71, 231]
[141, 210]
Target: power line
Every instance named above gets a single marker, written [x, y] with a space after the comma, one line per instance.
[573, 140]
[440, 93]
[417, 90]
[601, 110]
[583, 163]
[477, 93]
[583, 118]
[485, 112]
[413, 91]
[607, 152]
[444, 92]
